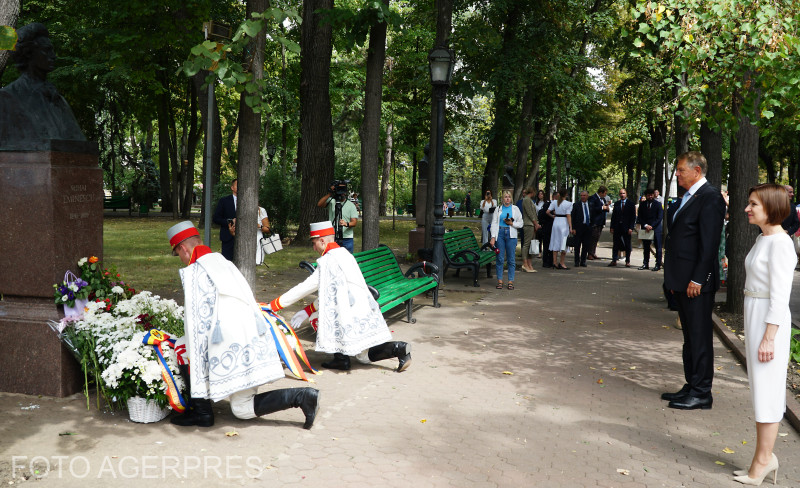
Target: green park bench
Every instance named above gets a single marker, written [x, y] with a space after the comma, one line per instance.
[461, 250]
[387, 282]
[117, 201]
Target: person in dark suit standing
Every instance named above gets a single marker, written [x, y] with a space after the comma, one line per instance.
[691, 273]
[597, 211]
[623, 221]
[546, 227]
[791, 223]
[225, 217]
[650, 216]
[582, 229]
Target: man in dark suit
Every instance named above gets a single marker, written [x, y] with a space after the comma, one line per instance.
[792, 223]
[546, 223]
[597, 212]
[691, 273]
[582, 228]
[623, 221]
[650, 216]
[225, 216]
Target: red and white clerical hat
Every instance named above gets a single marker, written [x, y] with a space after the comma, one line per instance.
[180, 232]
[320, 229]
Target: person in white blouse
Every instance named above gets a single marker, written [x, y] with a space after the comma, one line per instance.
[767, 323]
[263, 226]
[507, 219]
[488, 206]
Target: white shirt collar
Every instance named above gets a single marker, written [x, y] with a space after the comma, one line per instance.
[234, 202]
[696, 186]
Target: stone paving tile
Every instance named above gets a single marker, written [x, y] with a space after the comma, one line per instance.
[590, 351]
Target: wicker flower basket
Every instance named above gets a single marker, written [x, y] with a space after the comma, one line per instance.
[145, 411]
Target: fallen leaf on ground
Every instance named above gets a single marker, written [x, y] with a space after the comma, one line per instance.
[744, 442]
[728, 450]
[613, 369]
[783, 434]
[720, 463]
[600, 381]
[508, 373]
[423, 421]
[624, 472]
[231, 433]
[633, 367]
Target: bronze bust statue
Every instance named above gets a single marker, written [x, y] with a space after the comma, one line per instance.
[31, 109]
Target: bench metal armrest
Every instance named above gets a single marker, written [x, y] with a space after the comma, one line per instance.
[422, 269]
[375, 293]
[486, 246]
[307, 266]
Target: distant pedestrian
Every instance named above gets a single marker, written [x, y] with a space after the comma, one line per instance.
[560, 210]
[623, 221]
[599, 209]
[468, 204]
[530, 224]
[582, 228]
[650, 216]
[507, 219]
[488, 206]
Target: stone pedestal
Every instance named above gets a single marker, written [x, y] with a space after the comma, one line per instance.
[52, 203]
[416, 237]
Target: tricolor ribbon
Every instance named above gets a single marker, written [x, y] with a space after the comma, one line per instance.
[289, 348]
[157, 339]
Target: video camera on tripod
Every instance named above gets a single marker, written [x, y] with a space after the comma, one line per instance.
[339, 192]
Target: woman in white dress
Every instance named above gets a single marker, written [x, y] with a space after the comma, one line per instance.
[263, 226]
[767, 323]
[488, 206]
[560, 210]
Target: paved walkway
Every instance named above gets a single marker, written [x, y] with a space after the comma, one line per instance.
[554, 384]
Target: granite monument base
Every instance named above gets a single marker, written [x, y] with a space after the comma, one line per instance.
[52, 203]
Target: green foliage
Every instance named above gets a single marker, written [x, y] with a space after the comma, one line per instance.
[230, 61]
[8, 38]
[795, 347]
[356, 22]
[143, 181]
[279, 194]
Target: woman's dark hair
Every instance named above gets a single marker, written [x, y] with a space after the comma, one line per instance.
[775, 200]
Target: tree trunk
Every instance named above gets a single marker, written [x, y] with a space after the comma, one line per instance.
[681, 129]
[316, 158]
[370, 132]
[524, 142]
[9, 12]
[769, 162]
[387, 165]
[535, 167]
[162, 114]
[548, 175]
[216, 139]
[195, 131]
[743, 175]
[711, 147]
[244, 249]
[444, 27]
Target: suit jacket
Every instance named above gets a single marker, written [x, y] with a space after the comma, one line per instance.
[578, 216]
[652, 216]
[623, 218]
[596, 212]
[792, 222]
[692, 245]
[226, 209]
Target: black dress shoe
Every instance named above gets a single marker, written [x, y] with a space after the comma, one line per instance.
[583, 265]
[644, 266]
[678, 394]
[657, 268]
[690, 402]
[612, 264]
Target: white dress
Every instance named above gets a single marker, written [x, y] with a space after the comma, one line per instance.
[558, 236]
[770, 265]
[486, 219]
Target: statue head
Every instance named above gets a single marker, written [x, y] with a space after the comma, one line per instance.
[34, 53]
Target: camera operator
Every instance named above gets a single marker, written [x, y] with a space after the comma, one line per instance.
[341, 212]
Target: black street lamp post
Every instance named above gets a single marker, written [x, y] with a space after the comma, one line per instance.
[441, 62]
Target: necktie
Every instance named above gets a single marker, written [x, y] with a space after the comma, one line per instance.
[585, 213]
[683, 202]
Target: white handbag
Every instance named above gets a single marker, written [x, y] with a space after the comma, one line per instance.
[271, 244]
[534, 249]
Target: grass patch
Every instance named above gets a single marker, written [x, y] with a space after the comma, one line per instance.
[139, 249]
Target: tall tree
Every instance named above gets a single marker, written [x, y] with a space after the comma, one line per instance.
[9, 11]
[316, 152]
[370, 129]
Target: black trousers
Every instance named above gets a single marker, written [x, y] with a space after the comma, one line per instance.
[547, 254]
[597, 230]
[227, 249]
[698, 341]
[583, 239]
[622, 242]
[646, 248]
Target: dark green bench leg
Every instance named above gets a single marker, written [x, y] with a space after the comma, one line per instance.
[436, 297]
[475, 269]
[489, 270]
[409, 305]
